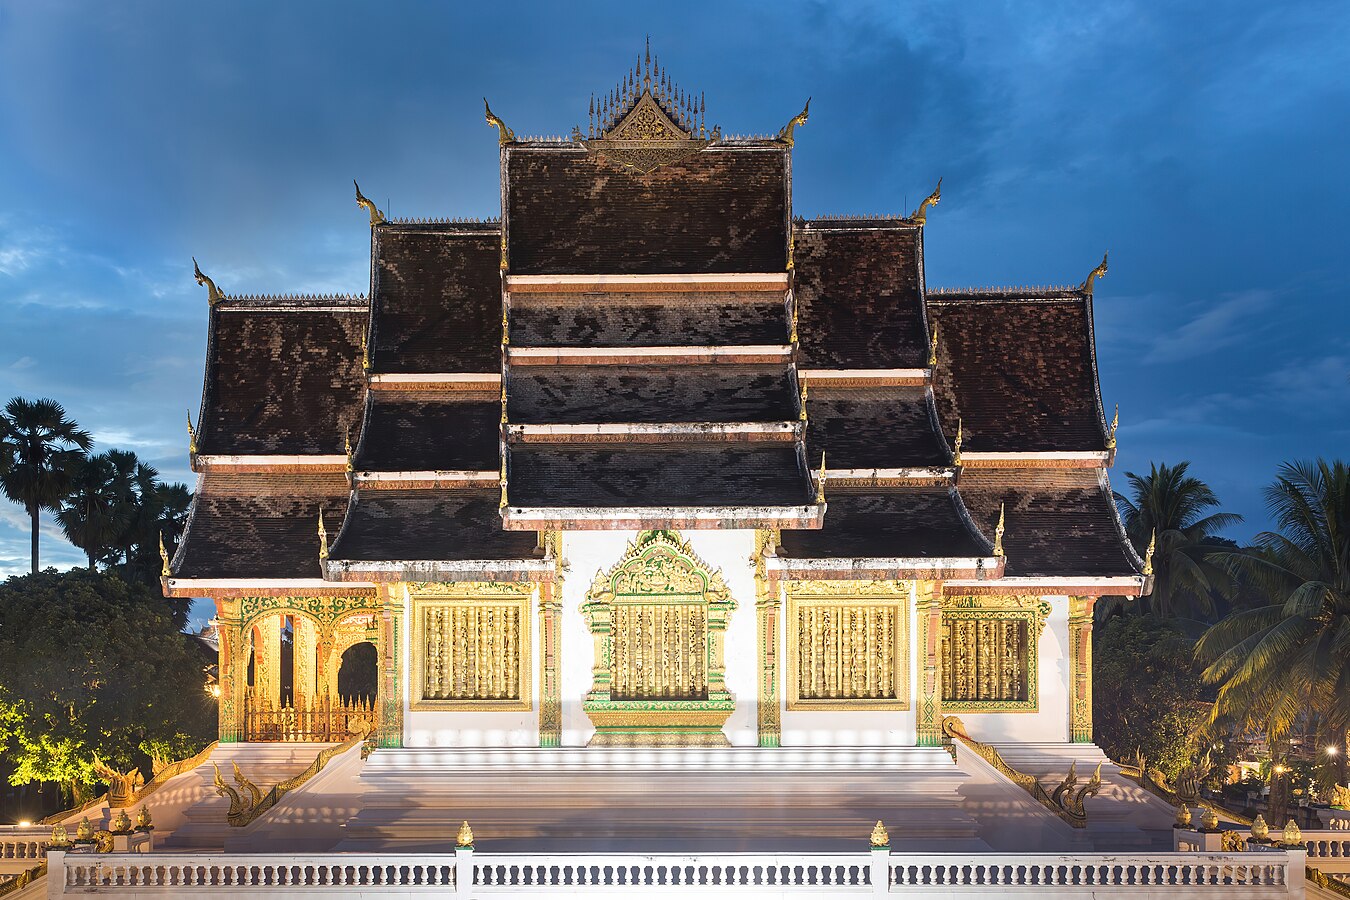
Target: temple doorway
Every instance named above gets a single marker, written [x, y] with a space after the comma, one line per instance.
[358, 673]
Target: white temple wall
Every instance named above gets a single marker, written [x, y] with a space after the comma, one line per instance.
[459, 728]
[1050, 721]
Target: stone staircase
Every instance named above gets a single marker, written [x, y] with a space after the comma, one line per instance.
[202, 825]
[311, 818]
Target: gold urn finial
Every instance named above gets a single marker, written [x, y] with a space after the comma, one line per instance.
[920, 215]
[1293, 836]
[121, 823]
[1183, 817]
[820, 480]
[998, 532]
[323, 537]
[1096, 273]
[932, 348]
[956, 445]
[802, 414]
[60, 837]
[143, 822]
[84, 832]
[1115, 423]
[376, 217]
[1209, 819]
[504, 134]
[163, 558]
[785, 134]
[192, 435]
[465, 836]
[1148, 554]
[1260, 830]
[213, 294]
[879, 837]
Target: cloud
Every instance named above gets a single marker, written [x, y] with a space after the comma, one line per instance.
[1225, 322]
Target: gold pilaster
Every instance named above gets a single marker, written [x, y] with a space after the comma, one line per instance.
[550, 706]
[767, 610]
[929, 614]
[1080, 656]
[304, 660]
[231, 662]
[389, 716]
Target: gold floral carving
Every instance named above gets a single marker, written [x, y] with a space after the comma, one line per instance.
[646, 139]
[471, 649]
[990, 652]
[848, 645]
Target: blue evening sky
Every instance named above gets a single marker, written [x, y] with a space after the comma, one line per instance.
[1204, 144]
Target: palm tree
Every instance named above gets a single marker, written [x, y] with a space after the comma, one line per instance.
[91, 515]
[1176, 507]
[41, 449]
[1290, 655]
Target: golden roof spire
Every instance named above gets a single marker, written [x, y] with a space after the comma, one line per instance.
[785, 135]
[932, 348]
[1096, 273]
[365, 350]
[802, 414]
[502, 481]
[1115, 423]
[347, 446]
[376, 217]
[792, 336]
[323, 537]
[163, 558]
[998, 532]
[192, 435]
[504, 134]
[1148, 554]
[213, 294]
[506, 319]
[820, 480]
[956, 446]
[920, 215]
[503, 401]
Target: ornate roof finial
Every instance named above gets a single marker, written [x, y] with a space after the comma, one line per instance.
[213, 294]
[347, 446]
[702, 115]
[802, 413]
[376, 217]
[1096, 273]
[1148, 554]
[880, 839]
[505, 263]
[920, 215]
[504, 134]
[792, 336]
[998, 533]
[192, 435]
[956, 446]
[365, 350]
[506, 327]
[323, 537]
[932, 348]
[163, 558]
[1115, 423]
[785, 135]
[502, 482]
[503, 401]
[820, 480]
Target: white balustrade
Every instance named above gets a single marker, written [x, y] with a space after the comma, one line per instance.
[1266, 874]
[1328, 851]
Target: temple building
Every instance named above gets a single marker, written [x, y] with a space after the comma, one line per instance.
[653, 460]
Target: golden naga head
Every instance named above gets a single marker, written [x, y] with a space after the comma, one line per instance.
[376, 217]
[504, 134]
[920, 215]
[785, 135]
[1096, 273]
[213, 294]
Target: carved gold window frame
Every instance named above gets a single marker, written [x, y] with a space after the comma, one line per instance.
[521, 600]
[840, 595]
[1032, 610]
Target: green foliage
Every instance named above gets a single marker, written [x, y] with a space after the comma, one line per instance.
[1289, 653]
[91, 664]
[1177, 507]
[1146, 694]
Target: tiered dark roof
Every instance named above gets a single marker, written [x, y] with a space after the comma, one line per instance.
[638, 319]
[418, 432]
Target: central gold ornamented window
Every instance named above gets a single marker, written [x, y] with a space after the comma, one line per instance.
[989, 653]
[848, 645]
[472, 652]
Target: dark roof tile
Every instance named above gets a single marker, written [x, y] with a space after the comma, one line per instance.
[648, 320]
[867, 428]
[418, 433]
[908, 523]
[430, 524]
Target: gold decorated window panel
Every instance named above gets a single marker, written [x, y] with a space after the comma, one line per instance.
[848, 654]
[472, 654]
[660, 651]
[988, 661]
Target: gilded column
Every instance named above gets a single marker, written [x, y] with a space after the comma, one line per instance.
[267, 662]
[303, 661]
[389, 726]
[929, 713]
[767, 612]
[550, 711]
[1080, 656]
[230, 663]
[323, 662]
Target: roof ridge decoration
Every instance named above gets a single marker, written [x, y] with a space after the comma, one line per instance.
[920, 215]
[504, 134]
[647, 121]
[785, 135]
[213, 294]
[1096, 273]
[376, 217]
